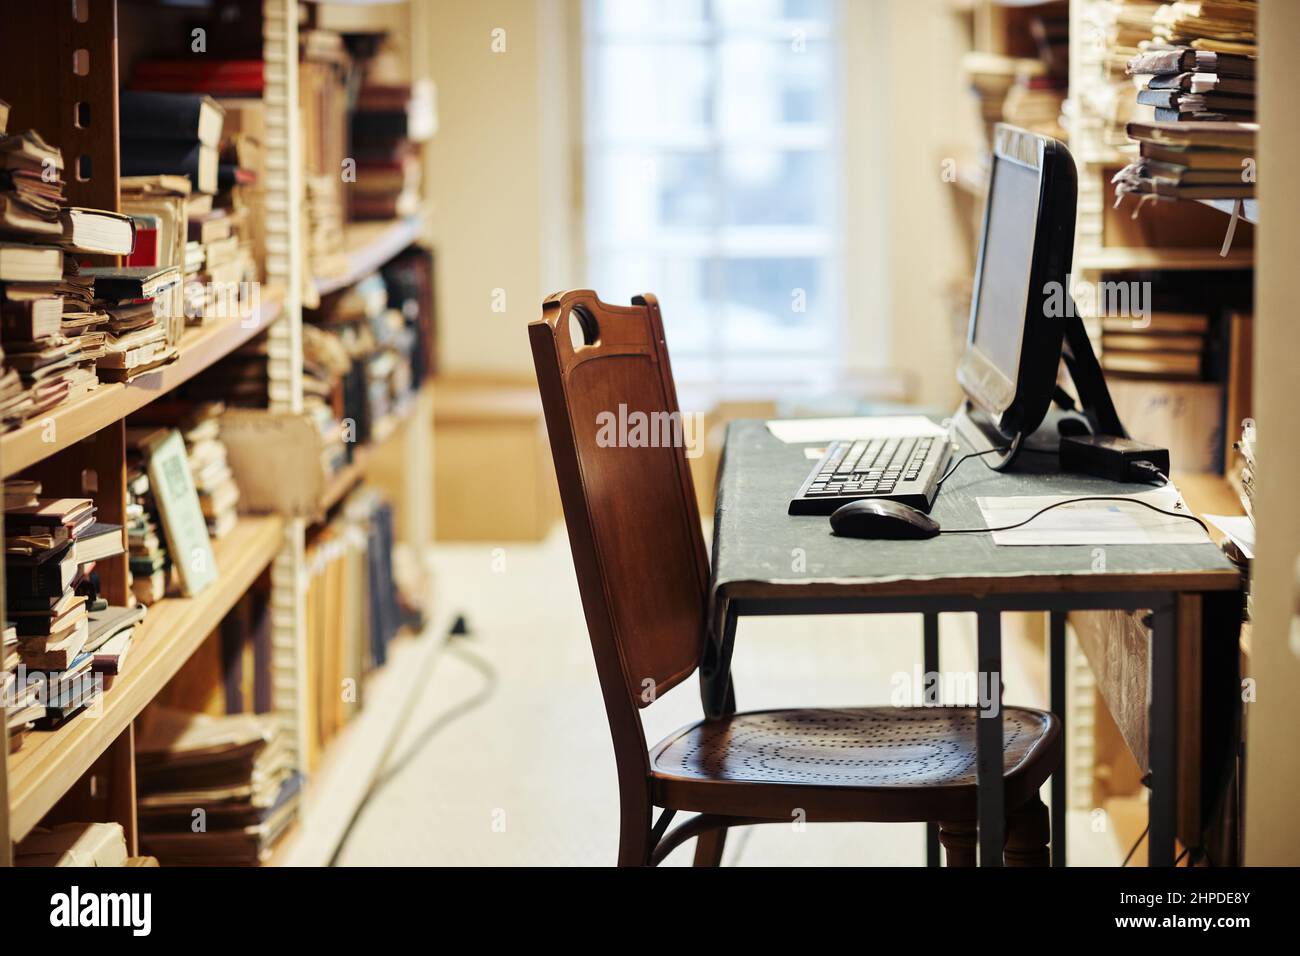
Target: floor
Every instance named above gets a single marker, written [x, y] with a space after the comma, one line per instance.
[507, 759]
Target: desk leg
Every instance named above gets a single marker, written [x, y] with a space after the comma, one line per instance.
[1056, 697]
[716, 693]
[930, 665]
[1162, 740]
[988, 743]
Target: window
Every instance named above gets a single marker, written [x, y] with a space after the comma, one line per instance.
[712, 178]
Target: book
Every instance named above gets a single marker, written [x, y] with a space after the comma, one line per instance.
[1191, 158]
[1239, 136]
[128, 283]
[1182, 102]
[17, 217]
[184, 117]
[4, 116]
[1154, 363]
[1188, 60]
[73, 844]
[45, 574]
[56, 652]
[199, 75]
[49, 513]
[1202, 83]
[97, 232]
[100, 540]
[29, 263]
[146, 157]
[31, 320]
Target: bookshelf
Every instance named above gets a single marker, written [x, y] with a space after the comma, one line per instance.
[48, 777]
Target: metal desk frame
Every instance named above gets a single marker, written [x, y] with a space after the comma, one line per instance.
[715, 689]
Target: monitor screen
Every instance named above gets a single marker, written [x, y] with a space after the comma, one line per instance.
[1008, 254]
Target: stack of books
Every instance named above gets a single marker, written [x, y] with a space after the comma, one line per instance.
[1190, 160]
[23, 700]
[73, 844]
[237, 769]
[148, 563]
[1183, 84]
[1225, 26]
[1165, 345]
[141, 337]
[171, 133]
[51, 335]
[200, 427]
[52, 599]
[1246, 475]
[158, 205]
[389, 122]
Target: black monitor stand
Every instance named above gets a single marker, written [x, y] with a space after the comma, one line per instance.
[1095, 410]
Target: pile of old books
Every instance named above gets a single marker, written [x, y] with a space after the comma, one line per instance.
[142, 327]
[1163, 345]
[1190, 160]
[1184, 84]
[1226, 26]
[148, 564]
[67, 636]
[77, 844]
[234, 772]
[209, 466]
[1246, 476]
[389, 122]
[53, 333]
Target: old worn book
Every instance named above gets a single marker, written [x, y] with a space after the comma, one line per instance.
[55, 652]
[97, 232]
[1153, 363]
[1202, 83]
[20, 219]
[100, 540]
[1221, 135]
[1141, 342]
[4, 116]
[183, 117]
[200, 163]
[1228, 160]
[1187, 60]
[49, 513]
[32, 319]
[114, 283]
[73, 844]
[21, 262]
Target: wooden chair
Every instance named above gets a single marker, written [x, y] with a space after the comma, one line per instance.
[634, 529]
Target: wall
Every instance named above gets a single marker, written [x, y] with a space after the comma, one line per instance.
[1273, 759]
[905, 111]
[500, 198]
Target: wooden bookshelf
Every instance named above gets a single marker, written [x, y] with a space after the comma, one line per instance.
[351, 474]
[68, 424]
[369, 246]
[51, 761]
[1131, 259]
[1249, 207]
[356, 756]
[54, 769]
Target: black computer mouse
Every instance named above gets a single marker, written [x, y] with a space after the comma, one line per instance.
[881, 518]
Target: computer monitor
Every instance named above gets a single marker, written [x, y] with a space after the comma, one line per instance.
[1018, 308]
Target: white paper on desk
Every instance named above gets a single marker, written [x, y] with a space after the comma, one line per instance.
[803, 431]
[1239, 528]
[1092, 522]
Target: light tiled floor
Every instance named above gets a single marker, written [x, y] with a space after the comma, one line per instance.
[527, 777]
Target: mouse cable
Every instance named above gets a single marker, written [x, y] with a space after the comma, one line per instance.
[1075, 501]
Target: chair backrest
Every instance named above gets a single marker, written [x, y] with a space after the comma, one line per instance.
[618, 441]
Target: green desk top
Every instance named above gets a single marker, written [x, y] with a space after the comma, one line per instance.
[761, 551]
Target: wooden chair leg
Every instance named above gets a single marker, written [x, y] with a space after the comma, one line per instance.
[1029, 832]
[959, 840]
[709, 846]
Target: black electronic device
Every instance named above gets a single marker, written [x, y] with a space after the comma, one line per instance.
[883, 519]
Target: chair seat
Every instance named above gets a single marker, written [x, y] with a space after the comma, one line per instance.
[865, 763]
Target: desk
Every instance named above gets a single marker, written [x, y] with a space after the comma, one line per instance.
[766, 562]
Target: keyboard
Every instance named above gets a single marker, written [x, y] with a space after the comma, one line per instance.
[905, 469]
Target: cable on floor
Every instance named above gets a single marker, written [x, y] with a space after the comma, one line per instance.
[455, 644]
